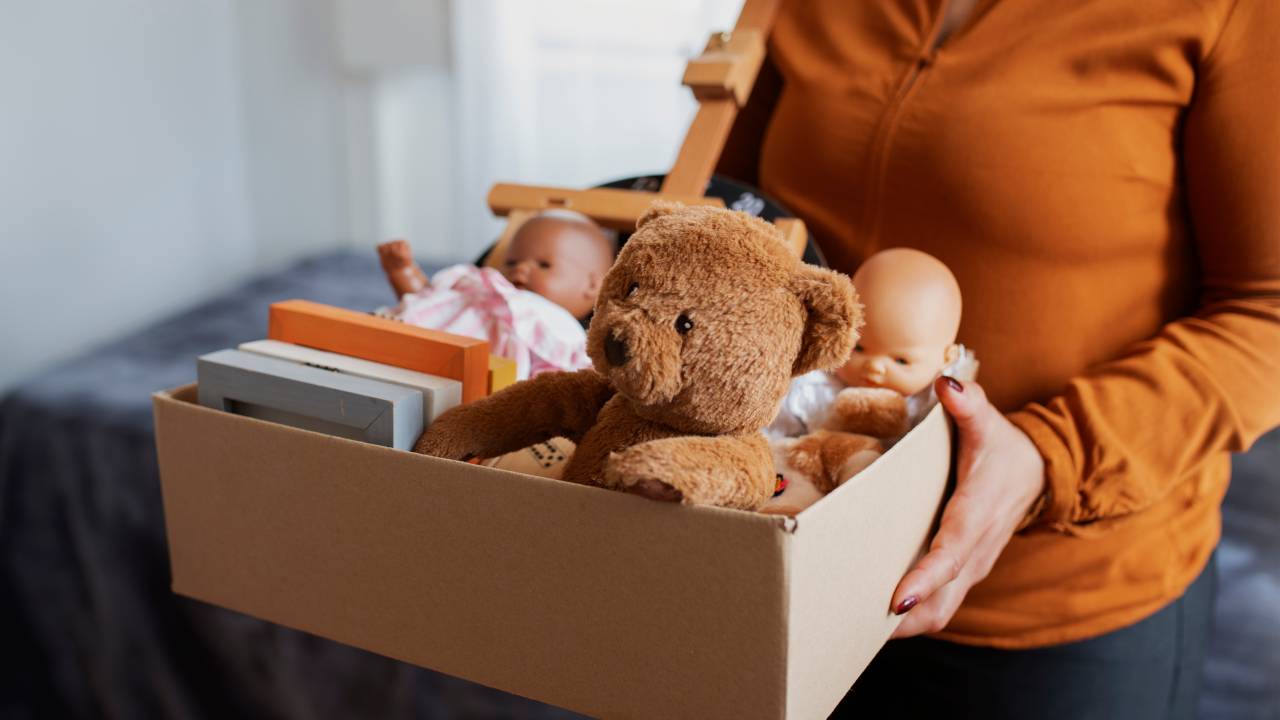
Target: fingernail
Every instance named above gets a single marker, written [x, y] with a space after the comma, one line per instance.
[953, 383]
[907, 603]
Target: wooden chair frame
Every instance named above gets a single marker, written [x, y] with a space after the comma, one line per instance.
[721, 79]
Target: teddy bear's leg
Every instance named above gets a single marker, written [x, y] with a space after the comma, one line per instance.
[830, 458]
[402, 270]
[730, 471]
[555, 404]
[878, 412]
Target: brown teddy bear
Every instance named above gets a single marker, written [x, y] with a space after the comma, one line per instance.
[699, 327]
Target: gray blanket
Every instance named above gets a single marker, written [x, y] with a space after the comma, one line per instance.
[88, 625]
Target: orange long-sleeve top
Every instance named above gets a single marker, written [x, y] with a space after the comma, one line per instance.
[1104, 180]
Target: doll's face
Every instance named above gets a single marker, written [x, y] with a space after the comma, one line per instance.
[912, 312]
[561, 260]
[904, 362]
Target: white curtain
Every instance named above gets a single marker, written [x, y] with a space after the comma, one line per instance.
[553, 92]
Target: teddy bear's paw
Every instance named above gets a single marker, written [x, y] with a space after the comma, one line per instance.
[655, 489]
[642, 474]
[440, 442]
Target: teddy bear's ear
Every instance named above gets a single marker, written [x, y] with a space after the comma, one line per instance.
[658, 209]
[834, 317]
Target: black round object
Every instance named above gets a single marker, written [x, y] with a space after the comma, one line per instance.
[736, 196]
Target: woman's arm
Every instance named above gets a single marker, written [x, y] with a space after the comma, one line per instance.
[1117, 439]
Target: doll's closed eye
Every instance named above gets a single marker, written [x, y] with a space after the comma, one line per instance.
[902, 361]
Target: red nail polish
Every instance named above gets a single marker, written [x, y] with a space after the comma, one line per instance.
[954, 383]
[909, 602]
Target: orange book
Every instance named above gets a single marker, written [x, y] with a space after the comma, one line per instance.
[348, 332]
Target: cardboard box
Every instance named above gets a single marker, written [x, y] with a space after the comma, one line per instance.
[597, 601]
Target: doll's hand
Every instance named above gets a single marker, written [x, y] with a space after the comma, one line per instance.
[1000, 474]
[878, 412]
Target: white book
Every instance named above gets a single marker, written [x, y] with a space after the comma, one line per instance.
[438, 394]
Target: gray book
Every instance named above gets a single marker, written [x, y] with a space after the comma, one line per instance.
[310, 398]
[438, 394]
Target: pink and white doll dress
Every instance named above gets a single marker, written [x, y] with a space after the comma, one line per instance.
[521, 325]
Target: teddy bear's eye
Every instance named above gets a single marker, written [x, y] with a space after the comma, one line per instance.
[684, 324]
[632, 288]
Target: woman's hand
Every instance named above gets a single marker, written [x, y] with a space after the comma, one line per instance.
[999, 476]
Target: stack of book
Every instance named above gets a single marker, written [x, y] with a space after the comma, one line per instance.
[349, 374]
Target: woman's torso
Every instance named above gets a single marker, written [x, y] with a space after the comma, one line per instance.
[1036, 152]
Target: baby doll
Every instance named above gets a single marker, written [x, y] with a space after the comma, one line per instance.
[530, 309]
[832, 425]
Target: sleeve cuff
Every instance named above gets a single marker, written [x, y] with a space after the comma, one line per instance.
[1057, 505]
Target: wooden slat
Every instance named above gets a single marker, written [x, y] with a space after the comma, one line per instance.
[612, 208]
[701, 149]
[710, 129]
[794, 233]
[727, 68]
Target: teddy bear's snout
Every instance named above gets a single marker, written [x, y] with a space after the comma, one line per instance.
[615, 351]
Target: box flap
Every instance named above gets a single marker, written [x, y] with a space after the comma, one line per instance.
[848, 553]
[598, 601]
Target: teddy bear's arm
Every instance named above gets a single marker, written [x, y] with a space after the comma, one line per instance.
[729, 470]
[878, 412]
[554, 404]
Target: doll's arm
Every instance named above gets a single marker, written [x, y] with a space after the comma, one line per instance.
[878, 412]
[555, 404]
[403, 272]
[733, 471]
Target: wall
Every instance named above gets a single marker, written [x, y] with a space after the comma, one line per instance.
[153, 152]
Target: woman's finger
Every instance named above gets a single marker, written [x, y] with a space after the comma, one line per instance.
[966, 403]
[933, 614]
[962, 522]
[958, 535]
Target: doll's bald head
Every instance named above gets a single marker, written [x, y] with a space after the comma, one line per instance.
[912, 315]
[562, 256]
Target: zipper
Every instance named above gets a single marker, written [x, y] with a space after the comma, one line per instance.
[883, 138]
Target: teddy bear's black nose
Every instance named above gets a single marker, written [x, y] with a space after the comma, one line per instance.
[615, 351]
